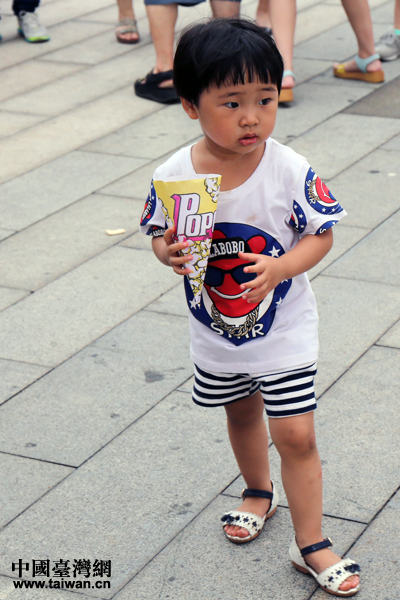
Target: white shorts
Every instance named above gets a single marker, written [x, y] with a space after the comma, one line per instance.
[285, 394]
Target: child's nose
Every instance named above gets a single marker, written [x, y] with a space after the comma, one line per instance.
[249, 117]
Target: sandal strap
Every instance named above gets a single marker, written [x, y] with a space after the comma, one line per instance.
[159, 77]
[314, 547]
[288, 73]
[257, 493]
[362, 63]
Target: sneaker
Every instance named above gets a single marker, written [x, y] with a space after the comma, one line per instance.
[388, 46]
[31, 28]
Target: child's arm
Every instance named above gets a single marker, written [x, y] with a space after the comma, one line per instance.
[168, 252]
[310, 250]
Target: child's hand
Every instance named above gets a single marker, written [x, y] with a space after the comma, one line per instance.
[172, 253]
[269, 274]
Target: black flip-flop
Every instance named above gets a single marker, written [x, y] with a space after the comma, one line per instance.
[149, 88]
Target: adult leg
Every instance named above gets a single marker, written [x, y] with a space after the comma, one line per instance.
[223, 9]
[263, 14]
[126, 30]
[397, 15]
[162, 19]
[283, 18]
[249, 439]
[359, 15]
[26, 5]
[294, 438]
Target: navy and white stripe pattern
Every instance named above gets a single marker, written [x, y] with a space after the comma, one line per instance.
[285, 394]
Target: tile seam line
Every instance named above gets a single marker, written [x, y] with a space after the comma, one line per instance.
[347, 278]
[358, 537]
[51, 462]
[384, 346]
[26, 363]
[53, 50]
[71, 110]
[369, 232]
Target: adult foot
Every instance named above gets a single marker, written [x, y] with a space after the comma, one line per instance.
[322, 559]
[257, 506]
[352, 67]
[126, 31]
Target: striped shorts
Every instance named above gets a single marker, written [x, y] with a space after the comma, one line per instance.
[285, 394]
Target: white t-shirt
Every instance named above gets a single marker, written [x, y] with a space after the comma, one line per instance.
[282, 201]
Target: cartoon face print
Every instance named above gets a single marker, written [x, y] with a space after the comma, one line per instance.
[223, 308]
[318, 196]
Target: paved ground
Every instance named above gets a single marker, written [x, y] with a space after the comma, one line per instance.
[103, 456]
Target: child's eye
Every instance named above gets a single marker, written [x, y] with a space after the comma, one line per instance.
[232, 104]
[265, 101]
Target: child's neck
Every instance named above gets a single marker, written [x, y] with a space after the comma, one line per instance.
[234, 169]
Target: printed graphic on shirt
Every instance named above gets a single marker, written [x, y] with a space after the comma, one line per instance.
[149, 208]
[222, 306]
[318, 196]
[325, 227]
[298, 219]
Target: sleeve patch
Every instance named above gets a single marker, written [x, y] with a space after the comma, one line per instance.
[325, 227]
[298, 218]
[318, 196]
[150, 206]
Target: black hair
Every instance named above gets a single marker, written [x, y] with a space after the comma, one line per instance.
[224, 51]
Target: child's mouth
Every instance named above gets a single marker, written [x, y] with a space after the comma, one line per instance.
[248, 140]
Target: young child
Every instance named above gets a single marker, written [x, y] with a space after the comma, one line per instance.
[254, 337]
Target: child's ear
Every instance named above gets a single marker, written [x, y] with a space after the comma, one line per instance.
[189, 108]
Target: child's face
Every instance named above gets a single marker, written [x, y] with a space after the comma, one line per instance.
[236, 119]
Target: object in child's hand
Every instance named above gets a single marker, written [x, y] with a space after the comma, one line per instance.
[189, 206]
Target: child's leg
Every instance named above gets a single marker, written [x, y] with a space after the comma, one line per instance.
[249, 439]
[294, 438]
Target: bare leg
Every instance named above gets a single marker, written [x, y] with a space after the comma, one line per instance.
[162, 19]
[397, 15]
[222, 9]
[294, 438]
[359, 15]
[262, 15]
[125, 11]
[283, 17]
[249, 439]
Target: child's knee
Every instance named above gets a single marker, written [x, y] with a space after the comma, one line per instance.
[297, 441]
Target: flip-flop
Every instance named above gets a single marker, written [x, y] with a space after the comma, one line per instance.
[362, 74]
[286, 94]
[124, 26]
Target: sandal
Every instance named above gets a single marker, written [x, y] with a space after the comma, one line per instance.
[124, 26]
[362, 74]
[286, 94]
[253, 523]
[331, 578]
[149, 88]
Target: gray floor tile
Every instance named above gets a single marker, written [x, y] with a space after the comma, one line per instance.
[73, 129]
[357, 482]
[171, 303]
[5, 233]
[393, 144]
[163, 130]
[62, 241]
[187, 386]
[352, 318]
[200, 563]
[312, 106]
[23, 481]
[12, 122]
[384, 102]
[49, 188]
[365, 261]
[391, 338]
[339, 142]
[94, 512]
[362, 185]
[344, 239]
[101, 390]
[15, 51]
[68, 314]
[317, 19]
[377, 557]
[15, 376]
[53, 12]
[9, 296]
[8, 591]
[31, 74]
[138, 241]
